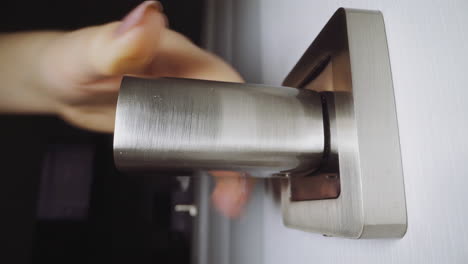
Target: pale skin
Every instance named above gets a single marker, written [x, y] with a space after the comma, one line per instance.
[76, 75]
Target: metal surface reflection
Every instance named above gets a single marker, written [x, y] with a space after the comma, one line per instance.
[189, 125]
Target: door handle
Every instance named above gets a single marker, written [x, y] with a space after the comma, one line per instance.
[330, 132]
[182, 125]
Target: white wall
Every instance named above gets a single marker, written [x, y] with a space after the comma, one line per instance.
[428, 43]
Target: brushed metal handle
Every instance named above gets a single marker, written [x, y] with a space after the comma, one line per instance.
[350, 143]
[182, 125]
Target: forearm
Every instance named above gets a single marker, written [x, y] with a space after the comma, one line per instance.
[21, 82]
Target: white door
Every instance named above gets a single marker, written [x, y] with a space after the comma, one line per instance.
[428, 45]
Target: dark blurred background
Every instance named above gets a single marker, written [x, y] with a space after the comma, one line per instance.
[61, 199]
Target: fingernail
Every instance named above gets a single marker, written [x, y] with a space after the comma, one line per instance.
[159, 6]
[137, 15]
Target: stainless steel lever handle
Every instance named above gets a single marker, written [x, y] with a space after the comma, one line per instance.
[176, 125]
[180, 125]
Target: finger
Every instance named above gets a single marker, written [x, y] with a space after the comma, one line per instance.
[95, 118]
[113, 49]
[179, 57]
[231, 192]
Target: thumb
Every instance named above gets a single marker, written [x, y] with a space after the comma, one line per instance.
[117, 48]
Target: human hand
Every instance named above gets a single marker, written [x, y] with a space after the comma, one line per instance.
[81, 72]
[82, 69]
